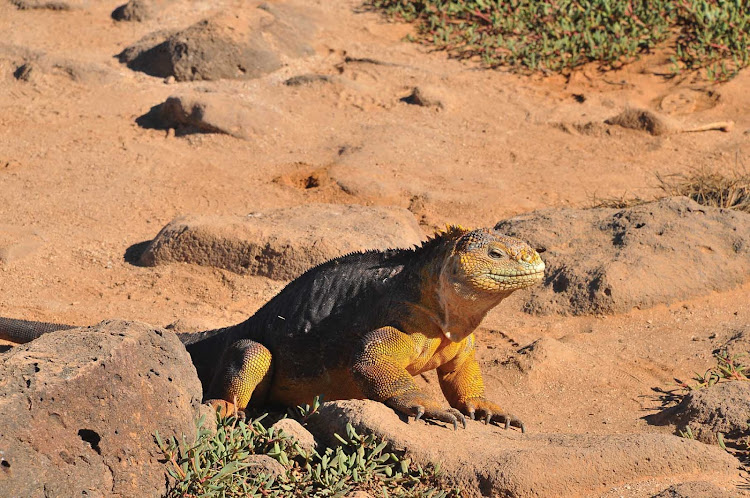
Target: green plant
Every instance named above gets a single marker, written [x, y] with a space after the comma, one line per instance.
[687, 433]
[728, 367]
[219, 464]
[556, 35]
[713, 34]
[304, 412]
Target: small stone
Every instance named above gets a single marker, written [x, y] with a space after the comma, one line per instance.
[134, 10]
[264, 464]
[307, 79]
[23, 72]
[424, 97]
[294, 429]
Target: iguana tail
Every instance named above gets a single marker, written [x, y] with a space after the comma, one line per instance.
[205, 348]
[23, 331]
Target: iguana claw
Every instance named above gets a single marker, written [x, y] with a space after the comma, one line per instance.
[420, 412]
[490, 412]
[421, 406]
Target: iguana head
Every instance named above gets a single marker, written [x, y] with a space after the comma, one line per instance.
[483, 268]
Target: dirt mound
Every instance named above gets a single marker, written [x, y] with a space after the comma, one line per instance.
[40, 69]
[612, 260]
[80, 408]
[134, 10]
[212, 113]
[738, 344]
[642, 120]
[281, 244]
[721, 408]
[243, 44]
[490, 461]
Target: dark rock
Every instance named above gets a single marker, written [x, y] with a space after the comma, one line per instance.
[80, 408]
[241, 45]
[134, 10]
[211, 113]
[606, 260]
[150, 55]
[424, 97]
[307, 79]
[283, 243]
[23, 72]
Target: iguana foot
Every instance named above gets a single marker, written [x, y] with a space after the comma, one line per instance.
[490, 412]
[226, 408]
[419, 405]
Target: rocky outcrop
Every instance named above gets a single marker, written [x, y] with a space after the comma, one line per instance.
[80, 409]
[243, 44]
[606, 260]
[491, 461]
[281, 244]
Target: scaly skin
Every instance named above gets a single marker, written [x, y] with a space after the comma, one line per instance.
[363, 325]
[373, 350]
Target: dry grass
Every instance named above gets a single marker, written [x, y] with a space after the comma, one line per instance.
[715, 188]
[710, 188]
[621, 202]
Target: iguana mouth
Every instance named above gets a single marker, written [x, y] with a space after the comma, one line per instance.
[510, 273]
[526, 276]
[518, 278]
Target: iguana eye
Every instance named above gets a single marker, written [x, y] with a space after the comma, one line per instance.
[496, 253]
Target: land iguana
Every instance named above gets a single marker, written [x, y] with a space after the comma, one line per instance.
[362, 326]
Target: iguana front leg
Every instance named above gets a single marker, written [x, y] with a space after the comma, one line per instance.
[242, 374]
[380, 371]
[463, 387]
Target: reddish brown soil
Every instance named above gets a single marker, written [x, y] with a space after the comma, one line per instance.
[77, 169]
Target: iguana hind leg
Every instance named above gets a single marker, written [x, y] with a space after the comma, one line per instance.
[243, 376]
[380, 371]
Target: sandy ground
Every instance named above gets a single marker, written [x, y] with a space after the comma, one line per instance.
[83, 181]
